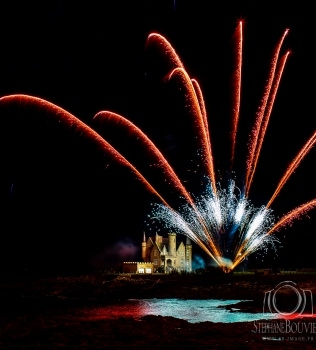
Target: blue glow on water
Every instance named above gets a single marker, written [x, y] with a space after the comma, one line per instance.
[191, 310]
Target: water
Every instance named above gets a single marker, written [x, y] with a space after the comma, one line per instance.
[193, 311]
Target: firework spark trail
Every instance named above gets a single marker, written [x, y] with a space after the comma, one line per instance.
[167, 48]
[254, 236]
[200, 121]
[255, 224]
[105, 116]
[237, 95]
[256, 243]
[200, 98]
[294, 214]
[265, 120]
[71, 121]
[256, 130]
[295, 163]
[200, 226]
[244, 211]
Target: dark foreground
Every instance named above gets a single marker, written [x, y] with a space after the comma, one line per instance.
[44, 313]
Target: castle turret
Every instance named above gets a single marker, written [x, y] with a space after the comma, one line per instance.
[172, 244]
[144, 248]
[188, 255]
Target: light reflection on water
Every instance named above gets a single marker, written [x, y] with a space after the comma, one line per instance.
[190, 310]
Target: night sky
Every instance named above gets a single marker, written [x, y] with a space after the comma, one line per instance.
[65, 204]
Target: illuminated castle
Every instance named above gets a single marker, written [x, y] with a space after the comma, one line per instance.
[166, 254]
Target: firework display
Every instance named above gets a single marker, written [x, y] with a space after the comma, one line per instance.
[222, 219]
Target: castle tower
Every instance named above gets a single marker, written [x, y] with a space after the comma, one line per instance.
[172, 244]
[188, 255]
[144, 248]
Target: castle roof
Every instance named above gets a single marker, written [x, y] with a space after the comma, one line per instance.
[160, 242]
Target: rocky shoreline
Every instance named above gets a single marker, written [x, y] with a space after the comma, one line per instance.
[44, 313]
